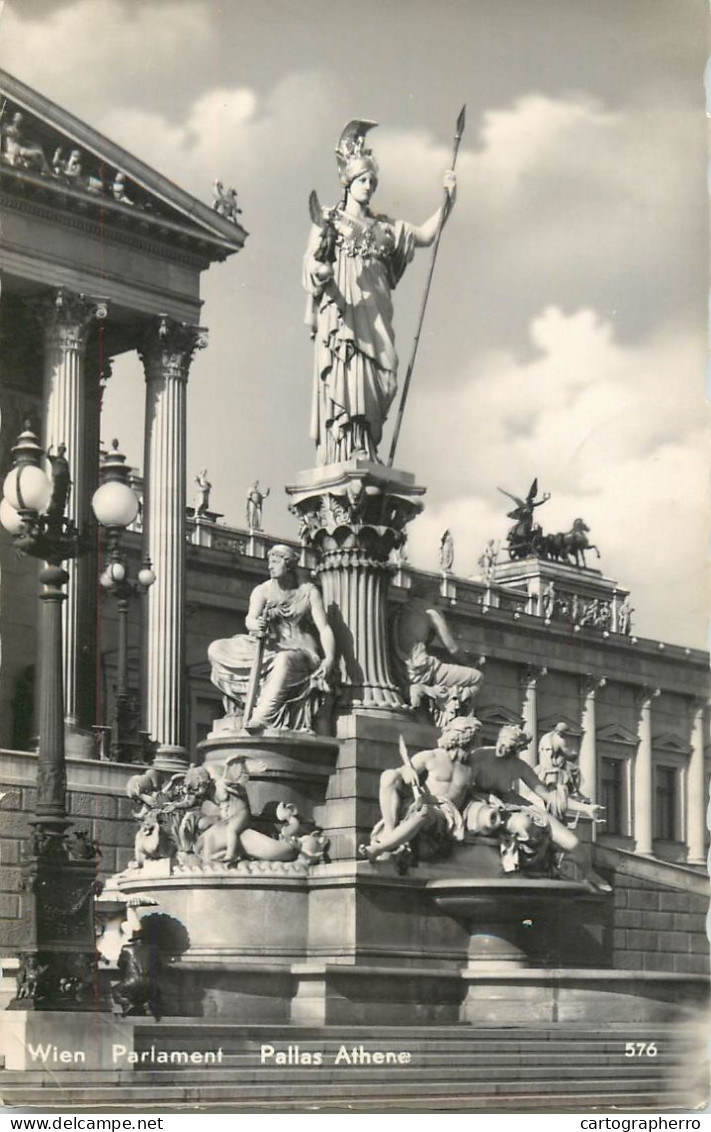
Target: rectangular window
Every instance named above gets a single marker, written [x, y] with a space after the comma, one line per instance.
[665, 803]
[612, 795]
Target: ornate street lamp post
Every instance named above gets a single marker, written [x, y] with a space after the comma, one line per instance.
[116, 505]
[58, 960]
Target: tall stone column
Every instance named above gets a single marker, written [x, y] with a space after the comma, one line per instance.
[588, 752]
[696, 799]
[354, 514]
[643, 831]
[98, 368]
[166, 352]
[70, 418]
[529, 712]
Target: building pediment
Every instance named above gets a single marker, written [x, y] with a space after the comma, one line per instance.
[617, 733]
[52, 161]
[668, 741]
[548, 722]
[497, 716]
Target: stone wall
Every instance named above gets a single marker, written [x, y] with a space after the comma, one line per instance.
[96, 803]
[658, 916]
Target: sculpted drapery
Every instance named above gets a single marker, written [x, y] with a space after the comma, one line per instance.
[351, 317]
[354, 260]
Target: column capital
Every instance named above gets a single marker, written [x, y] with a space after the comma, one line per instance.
[590, 685]
[531, 674]
[66, 317]
[643, 696]
[167, 348]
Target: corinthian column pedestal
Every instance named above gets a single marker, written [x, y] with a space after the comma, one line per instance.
[166, 352]
[353, 514]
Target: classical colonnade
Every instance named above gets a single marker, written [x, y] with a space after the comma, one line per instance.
[71, 409]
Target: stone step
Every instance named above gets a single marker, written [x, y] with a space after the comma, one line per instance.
[479, 1056]
[638, 1030]
[636, 1095]
[441, 1072]
[461, 1058]
[235, 1044]
[283, 1040]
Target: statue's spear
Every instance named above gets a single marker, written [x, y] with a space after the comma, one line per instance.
[459, 131]
[255, 671]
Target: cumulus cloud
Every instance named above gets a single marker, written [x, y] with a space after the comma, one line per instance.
[564, 336]
[608, 429]
[128, 47]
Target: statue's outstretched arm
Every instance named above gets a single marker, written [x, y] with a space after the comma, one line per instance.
[425, 234]
[441, 628]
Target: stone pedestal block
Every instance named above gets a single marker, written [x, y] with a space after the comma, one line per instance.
[256, 912]
[296, 766]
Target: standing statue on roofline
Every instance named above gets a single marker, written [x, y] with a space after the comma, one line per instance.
[354, 260]
[255, 506]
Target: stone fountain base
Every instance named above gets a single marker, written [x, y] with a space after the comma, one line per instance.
[338, 945]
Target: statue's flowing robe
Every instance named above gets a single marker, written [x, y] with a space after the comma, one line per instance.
[351, 318]
[290, 657]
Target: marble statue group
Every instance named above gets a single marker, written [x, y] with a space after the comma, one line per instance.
[275, 677]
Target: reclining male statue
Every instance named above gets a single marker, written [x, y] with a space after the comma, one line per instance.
[474, 790]
[435, 814]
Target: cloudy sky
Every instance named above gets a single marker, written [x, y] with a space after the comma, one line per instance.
[566, 332]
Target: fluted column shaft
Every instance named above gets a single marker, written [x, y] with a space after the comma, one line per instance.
[643, 830]
[353, 515]
[355, 586]
[696, 793]
[166, 352]
[588, 747]
[66, 320]
[529, 712]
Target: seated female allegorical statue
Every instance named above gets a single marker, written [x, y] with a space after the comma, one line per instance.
[277, 665]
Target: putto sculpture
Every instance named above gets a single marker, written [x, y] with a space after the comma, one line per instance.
[273, 676]
[354, 260]
[199, 821]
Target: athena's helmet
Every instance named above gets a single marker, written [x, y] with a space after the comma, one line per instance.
[352, 154]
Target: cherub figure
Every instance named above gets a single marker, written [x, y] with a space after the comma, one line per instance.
[232, 837]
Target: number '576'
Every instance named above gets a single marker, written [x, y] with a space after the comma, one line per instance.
[640, 1049]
